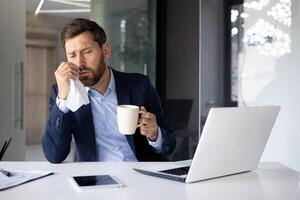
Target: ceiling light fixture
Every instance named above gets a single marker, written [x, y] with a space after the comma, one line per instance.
[80, 0]
[39, 7]
[66, 11]
[73, 3]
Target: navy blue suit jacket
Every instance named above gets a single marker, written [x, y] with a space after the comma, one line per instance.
[134, 89]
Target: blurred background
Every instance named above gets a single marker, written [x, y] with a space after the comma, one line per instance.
[198, 54]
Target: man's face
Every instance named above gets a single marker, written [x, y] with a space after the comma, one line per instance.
[86, 54]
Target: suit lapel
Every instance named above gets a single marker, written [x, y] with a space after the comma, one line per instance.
[123, 97]
[122, 89]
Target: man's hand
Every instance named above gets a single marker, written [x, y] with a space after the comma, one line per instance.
[64, 72]
[149, 124]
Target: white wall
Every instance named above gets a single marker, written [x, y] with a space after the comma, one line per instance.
[12, 56]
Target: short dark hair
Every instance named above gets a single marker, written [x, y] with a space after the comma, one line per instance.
[78, 26]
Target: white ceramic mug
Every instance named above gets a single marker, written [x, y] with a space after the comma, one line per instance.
[127, 117]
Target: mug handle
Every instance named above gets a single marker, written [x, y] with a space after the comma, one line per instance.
[140, 112]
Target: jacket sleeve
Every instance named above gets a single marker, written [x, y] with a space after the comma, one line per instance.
[154, 106]
[58, 134]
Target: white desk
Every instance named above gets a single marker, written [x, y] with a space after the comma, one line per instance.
[271, 181]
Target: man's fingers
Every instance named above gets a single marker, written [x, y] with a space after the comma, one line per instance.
[142, 108]
[70, 75]
[61, 66]
[67, 70]
[70, 67]
[145, 121]
[67, 66]
[147, 129]
[144, 113]
[70, 71]
[147, 115]
[64, 72]
[148, 123]
[144, 130]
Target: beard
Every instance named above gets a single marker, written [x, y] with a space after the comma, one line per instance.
[89, 77]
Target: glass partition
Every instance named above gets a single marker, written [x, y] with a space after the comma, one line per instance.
[131, 32]
[265, 70]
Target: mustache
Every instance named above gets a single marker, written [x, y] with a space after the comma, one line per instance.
[84, 69]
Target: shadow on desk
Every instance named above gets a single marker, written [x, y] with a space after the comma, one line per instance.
[257, 184]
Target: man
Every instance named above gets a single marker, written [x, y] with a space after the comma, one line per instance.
[94, 126]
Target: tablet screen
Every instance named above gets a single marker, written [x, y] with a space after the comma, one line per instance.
[95, 180]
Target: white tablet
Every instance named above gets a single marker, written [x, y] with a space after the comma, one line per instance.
[95, 182]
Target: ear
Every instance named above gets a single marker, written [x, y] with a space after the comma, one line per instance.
[106, 50]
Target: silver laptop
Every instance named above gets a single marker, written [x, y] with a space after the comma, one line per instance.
[232, 141]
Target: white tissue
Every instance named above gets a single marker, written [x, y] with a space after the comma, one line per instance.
[77, 96]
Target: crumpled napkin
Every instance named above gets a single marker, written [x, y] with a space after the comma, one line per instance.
[77, 96]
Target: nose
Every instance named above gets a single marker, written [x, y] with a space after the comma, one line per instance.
[79, 60]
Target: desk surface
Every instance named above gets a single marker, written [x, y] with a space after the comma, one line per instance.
[271, 181]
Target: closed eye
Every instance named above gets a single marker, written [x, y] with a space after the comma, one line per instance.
[71, 55]
[87, 51]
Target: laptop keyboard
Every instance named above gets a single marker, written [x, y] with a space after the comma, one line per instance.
[177, 171]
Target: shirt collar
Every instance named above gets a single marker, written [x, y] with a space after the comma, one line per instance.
[112, 84]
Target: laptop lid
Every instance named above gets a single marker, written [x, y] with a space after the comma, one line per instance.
[232, 141]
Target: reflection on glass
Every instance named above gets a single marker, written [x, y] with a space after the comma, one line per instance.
[260, 30]
[268, 40]
[281, 12]
[256, 5]
[130, 27]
